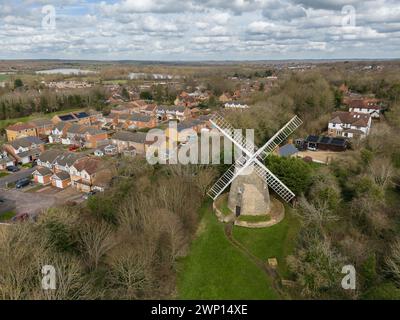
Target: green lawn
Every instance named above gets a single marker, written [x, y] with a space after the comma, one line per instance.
[262, 218]
[277, 241]
[214, 269]
[3, 174]
[3, 77]
[6, 216]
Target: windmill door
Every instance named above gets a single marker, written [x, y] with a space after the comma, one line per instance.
[237, 211]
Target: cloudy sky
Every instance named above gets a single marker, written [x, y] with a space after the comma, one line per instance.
[199, 29]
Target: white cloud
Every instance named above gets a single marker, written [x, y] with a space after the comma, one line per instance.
[212, 29]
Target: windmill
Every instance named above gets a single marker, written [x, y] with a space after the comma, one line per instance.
[251, 159]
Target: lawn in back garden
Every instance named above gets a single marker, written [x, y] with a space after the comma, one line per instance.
[214, 269]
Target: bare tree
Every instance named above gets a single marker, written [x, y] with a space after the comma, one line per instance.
[382, 171]
[95, 240]
[205, 178]
[393, 260]
[315, 213]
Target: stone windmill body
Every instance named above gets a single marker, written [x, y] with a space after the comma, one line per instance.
[250, 180]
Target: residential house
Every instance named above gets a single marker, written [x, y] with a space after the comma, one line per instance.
[140, 121]
[61, 180]
[84, 172]
[172, 113]
[48, 157]
[349, 124]
[82, 135]
[25, 150]
[186, 130]
[65, 161]
[5, 160]
[125, 140]
[81, 117]
[20, 130]
[42, 175]
[58, 131]
[43, 127]
[367, 106]
[106, 150]
[58, 160]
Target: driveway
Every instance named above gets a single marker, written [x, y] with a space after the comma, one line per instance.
[14, 177]
[26, 202]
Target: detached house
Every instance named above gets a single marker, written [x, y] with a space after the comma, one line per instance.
[349, 124]
[20, 130]
[25, 150]
[84, 174]
[367, 106]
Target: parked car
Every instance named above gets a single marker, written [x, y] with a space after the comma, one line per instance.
[22, 183]
[73, 148]
[12, 168]
[89, 194]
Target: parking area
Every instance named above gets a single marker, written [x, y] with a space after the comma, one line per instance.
[26, 202]
[32, 200]
[321, 156]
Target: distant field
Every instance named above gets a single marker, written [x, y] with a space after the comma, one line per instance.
[9, 122]
[3, 77]
[214, 269]
[120, 81]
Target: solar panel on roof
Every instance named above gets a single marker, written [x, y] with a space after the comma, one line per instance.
[81, 115]
[338, 142]
[66, 117]
[325, 140]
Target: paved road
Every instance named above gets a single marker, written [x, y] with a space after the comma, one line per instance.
[14, 177]
[26, 202]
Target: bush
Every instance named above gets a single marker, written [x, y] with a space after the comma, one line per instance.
[294, 173]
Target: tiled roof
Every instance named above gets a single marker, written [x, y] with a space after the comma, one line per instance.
[26, 142]
[20, 126]
[43, 171]
[50, 155]
[41, 123]
[62, 175]
[90, 165]
[140, 117]
[139, 137]
[353, 118]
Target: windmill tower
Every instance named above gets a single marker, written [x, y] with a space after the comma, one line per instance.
[249, 177]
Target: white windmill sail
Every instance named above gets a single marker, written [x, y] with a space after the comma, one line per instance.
[255, 158]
